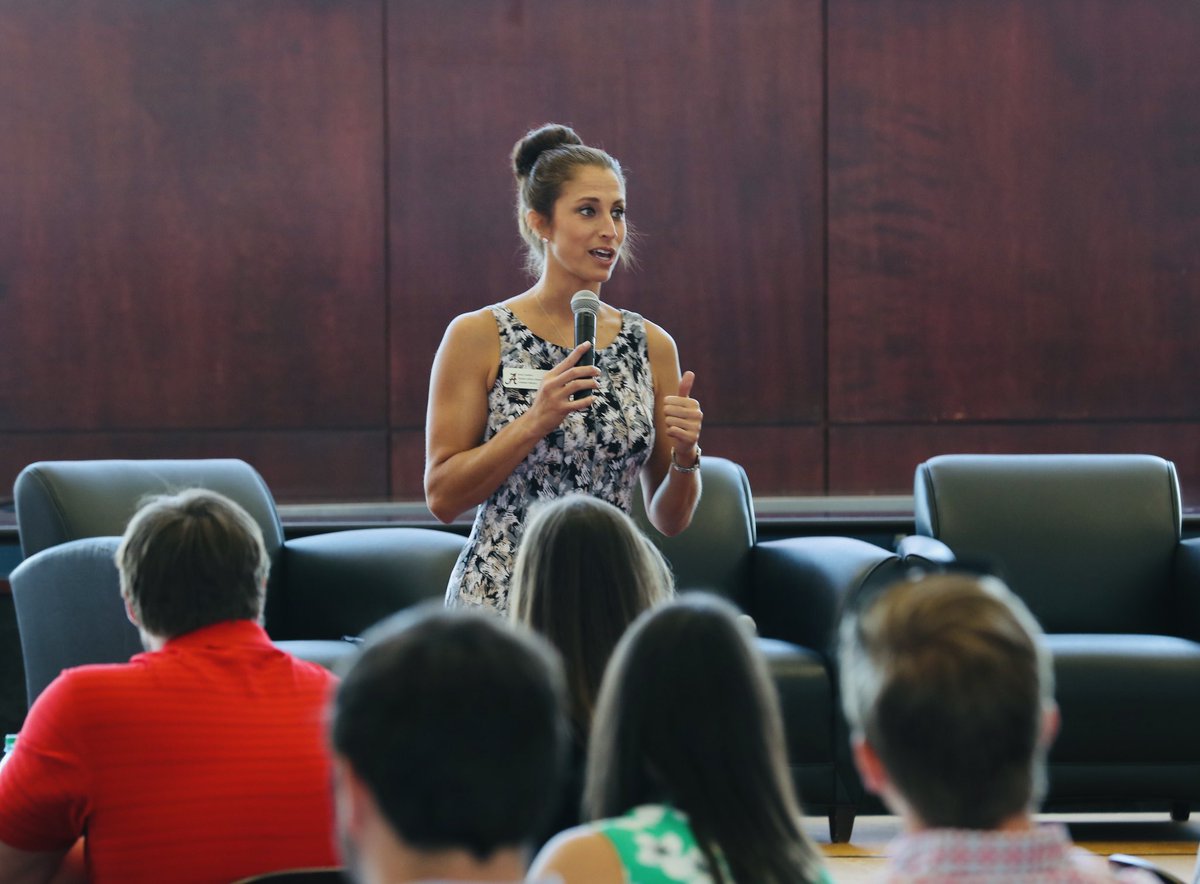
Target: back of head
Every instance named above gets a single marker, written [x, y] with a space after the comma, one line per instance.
[543, 161]
[584, 572]
[453, 721]
[190, 560]
[688, 716]
[945, 677]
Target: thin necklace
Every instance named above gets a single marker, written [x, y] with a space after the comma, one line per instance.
[549, 318]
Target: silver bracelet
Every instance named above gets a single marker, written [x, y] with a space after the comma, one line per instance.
[693, 468]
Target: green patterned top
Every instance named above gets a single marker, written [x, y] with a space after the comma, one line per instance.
[656, 845]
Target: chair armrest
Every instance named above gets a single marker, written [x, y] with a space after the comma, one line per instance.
[922, 551]
[340, 583]
[1187, 589]
[800, 584]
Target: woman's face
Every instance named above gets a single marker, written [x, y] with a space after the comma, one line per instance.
[588, 228]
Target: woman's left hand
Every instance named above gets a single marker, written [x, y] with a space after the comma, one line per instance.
[683, 419]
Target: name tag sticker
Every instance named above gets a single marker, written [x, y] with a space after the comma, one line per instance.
[515, 377]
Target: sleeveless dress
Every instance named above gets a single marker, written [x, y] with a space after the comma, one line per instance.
[656, 845]
[599, 451]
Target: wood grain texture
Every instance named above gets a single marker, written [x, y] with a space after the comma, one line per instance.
[884, 459]
[195, 237]
[234, 228]
[407, 458]
[714, 109]
[298, 466]
[1014, 210]
[779, 461]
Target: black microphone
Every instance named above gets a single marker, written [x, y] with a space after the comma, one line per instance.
[586, 307]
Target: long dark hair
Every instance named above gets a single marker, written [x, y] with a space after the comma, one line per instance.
[688, 716]
[584, 572]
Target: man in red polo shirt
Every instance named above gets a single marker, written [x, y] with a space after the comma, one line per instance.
[200, 760]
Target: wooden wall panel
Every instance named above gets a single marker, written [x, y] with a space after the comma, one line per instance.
[299, 466]
[1014, 210]
[192, 206]
[240, 229]
[713, 107]
[883, 459]
[779, 461]
[407, 450]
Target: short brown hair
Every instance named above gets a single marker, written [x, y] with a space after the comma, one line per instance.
[946, 677]
[192, 559]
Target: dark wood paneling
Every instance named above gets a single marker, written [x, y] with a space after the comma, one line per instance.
[779, 461]
[713, 107]
[1014, 210]
[298, 467]
[407, 451]
[883, 459]
[192, 223]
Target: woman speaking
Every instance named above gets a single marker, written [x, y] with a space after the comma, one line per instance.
[505, 428]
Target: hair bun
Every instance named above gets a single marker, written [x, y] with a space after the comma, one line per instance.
[536, 142]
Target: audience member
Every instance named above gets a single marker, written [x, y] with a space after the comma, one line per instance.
[948, 689]
[583, 574]
[202, 759]
[687, 776]
[449, 740]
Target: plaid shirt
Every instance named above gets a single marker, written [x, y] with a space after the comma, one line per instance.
[1043, 855]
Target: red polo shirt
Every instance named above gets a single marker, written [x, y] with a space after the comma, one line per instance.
[204, 761]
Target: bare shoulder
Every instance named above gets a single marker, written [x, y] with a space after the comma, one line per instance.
[578, 856]
[476, 327]
[664, 355]
[471, 344]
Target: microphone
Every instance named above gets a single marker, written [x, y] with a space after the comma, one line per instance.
[586, 307]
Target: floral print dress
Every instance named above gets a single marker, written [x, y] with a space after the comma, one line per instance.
[599, 451]
[656, 846]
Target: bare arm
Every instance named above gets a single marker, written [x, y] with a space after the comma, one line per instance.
[671, 495]
[461, 470]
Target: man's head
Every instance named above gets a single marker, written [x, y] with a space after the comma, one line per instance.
[189, 560]
[450, 737]
[948, 690]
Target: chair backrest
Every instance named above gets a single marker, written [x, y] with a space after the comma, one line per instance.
[1086, 540]
[58, 501]
[713, 553]
[69, 610]
[341, 582]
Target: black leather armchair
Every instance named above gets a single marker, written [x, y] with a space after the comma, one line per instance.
[1092, 544]
[70, 515]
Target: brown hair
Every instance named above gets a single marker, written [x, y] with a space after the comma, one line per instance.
[192, 559]
[583, 573]
[688, 716]
[945, 676]
[543, 161]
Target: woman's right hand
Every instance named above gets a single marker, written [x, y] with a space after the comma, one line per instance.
[553, 400]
